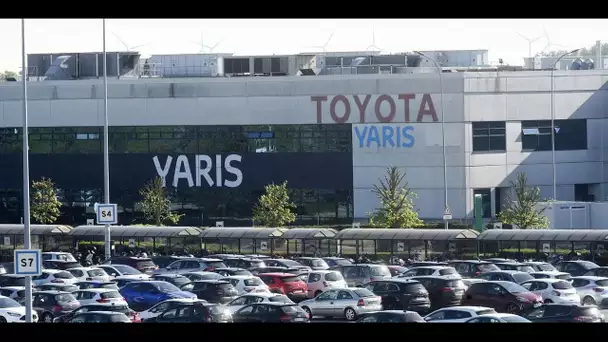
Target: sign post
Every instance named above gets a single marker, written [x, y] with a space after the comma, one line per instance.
[447, 216]
[28, 263]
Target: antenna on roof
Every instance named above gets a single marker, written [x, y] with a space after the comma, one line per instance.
[129, 48]
[203, 46]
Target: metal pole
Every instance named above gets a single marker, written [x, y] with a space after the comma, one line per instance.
[445, 164]
[27, 241]
[553, 164]
[106, 154]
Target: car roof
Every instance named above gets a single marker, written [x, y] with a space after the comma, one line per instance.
[51, 271]
[93, 282]
[167, 275]
[444, 277]
[307, 258]
[505, 271]
[334, 258]
[179, 300]
[13, 288]
[230, 269]
[471, 261]
[275, 304]
[466, 308]
[277, 274]
[239, 277]
[52, 292]
[499, 315]
[546, 280]
[7, 275]
[261, 294]
[322, 271]
[548, 272]
[107, 313]
[213, 281]
[398, 280]
[594, 278]
[97, 290]
[199, 272]
[84, 268]
[432, 267]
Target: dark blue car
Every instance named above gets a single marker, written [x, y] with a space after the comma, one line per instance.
[141, 295]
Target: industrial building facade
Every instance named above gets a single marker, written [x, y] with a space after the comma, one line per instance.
[217, 141]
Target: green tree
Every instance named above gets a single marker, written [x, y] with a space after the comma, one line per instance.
[156, 204]
[274, 209]
[8, 74]
[45, 207]
[522, 211]
[397, 205]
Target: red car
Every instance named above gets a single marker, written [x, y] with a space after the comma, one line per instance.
[285, 283]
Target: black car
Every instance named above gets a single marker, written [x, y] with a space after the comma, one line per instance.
[57, 287]
[95, 307]
[100, 317]
[516, 277]
[232, 271]
[246, 263]
[144, 265]
[271, 313]
[175, 279]
[60, 264]
[598, 272]
[566, 313]
[96, 285]
[51, 304]
[472, 268]
[194, 313]
[576, 267]
[443, 291]
[163, 261]
[202, 275]
[401, 294]
[11, 280]
[391, 316]
[214, 291]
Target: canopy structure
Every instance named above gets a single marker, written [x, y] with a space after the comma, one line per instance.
[571, 235]
[309, 234]
[242, 233]
[137, 231]
[406, 234]
[35, 229]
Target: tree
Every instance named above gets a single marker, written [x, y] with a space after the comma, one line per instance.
[522, 211]
[156, 204]
[396, 199]
[45, 207]
[274, 209]
[7, 74]
[586, 52]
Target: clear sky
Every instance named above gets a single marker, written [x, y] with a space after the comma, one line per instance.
[287, 36]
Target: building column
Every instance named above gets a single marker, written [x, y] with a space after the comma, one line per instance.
[493, 202]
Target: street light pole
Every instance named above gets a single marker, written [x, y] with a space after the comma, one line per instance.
[27, 238]
[553, 165]
[106, 153]
[445, 166]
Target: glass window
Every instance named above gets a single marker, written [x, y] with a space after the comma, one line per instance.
[486, 201]
[489, 136]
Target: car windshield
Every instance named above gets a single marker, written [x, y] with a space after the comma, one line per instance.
[318, 263]
[241, 272]
[8, 303]
[63, 275]
[364, 293]
[165, 287]
[380, 271]
[334, 276]
[96, 273]
[545, 267]
[280, 299]
[562, 285]
[65, 298]
[111, 294]
[521, 277]
[180, 281]
[525, 268]
[216, 264]
[290, 308]
[70, 288]
[588, 264]
[291, 263]
[447, 271]
[488, 267]
[485, 312]
[253, 282]
[290, 279]
[147, 263]
[126, 270]
[513, 288]
[342, 262]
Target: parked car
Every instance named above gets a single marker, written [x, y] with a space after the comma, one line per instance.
[592, 290]
[361, 274]
[443, 290]
[319, 281]
[11, 280]
[100, 317]
[83, 285]
[13, 312]
[285, 283]
[458, 314]
[429, 271]
[144, 265]
[598, 272]
[472, 268]
[244, 262]
[397, 270]
[258, 297]
[232, 271]
[16, 293]
[172, 278]
[540, 266]
[391, 316]
[247, 284]
[59, 264]
[551, 275]
[404, 294]
[313, 263]
[498, 318]
[553, 290]
[196, 276]
[515, 266]
[63, 256]
[99, 296]
[54, 276]
[163, 261]
[334, 262]
[51, 304]
[270, 313]
[502, 296]
[344, 303]
[196, 312]
[133, 315]
[192, 265]
[214, 291]
[89, 273]
[143, 294]
[124, 271]
[576, 267]
[565, 313]
[166, 305]
[516, 277]
[286, 263]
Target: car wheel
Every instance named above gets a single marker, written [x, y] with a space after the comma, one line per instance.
[350, 314]
[318, 292]
[588, 301]
[2, 320]
[512, 308]
[47, 318]
[307, 310]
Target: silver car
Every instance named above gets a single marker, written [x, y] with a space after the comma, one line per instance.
[192, 265]
[361, 274]
[346, 303]
[591, 290]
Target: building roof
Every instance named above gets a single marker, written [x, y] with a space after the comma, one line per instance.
[36, 229]
[544, 235]
[405, 234]
[137, 231]
[242, 233]
[309, 234]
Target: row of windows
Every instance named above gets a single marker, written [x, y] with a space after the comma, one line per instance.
[201, 207]
[490, 136]
[183, 139]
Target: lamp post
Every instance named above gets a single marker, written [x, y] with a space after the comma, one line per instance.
[445, 168]
[106, 154]
[553, 166]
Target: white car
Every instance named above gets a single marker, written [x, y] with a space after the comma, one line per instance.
[429, 271]
[99, 296]
[247, 284]
[202, 275]
[11, 311]
[124, 271]
[498, 318]
[550, 275]
[166, 305]
[260, 297]
[319, 281]
[553, 290]
[54, 276]
[470, 281]
[62, 256]
[457, 314]
[591, 290]
[90, 273]
[13, 292]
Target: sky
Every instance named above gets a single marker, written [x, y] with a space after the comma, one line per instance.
[287, 36]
